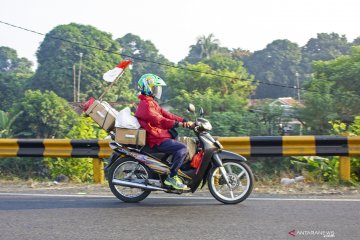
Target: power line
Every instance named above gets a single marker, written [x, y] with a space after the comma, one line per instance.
[164, 64]
[147, 60]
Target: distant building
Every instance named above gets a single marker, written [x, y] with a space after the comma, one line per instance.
[289, 125]
[288, 104]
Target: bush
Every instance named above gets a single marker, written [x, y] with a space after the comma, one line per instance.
[269, 167]
[23, 168]
[77, 169]
[318, 168]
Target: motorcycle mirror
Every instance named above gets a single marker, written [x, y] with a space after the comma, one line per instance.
[201, 112]
[191, 108]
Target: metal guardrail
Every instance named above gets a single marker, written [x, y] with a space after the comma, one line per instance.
[54, 148]
[247, 146]
[293, 145]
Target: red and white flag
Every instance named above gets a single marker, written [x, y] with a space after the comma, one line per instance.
[113, 74]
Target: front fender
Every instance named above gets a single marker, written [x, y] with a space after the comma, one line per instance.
[223, 154]
[220, 155]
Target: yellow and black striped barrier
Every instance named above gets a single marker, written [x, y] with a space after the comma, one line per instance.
[293, 145]
[54, 148]
[247, 146]
[96, 149]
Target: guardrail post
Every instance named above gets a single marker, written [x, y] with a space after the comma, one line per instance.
[98, 167]
[344, 168]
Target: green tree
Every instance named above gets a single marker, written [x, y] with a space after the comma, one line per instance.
[239, 54]
[14, 74]
[57, 58]
[132, 45]
[319, 107]
[11, 63]
[45, 115]
[356, 41]
[204, 48]
[333, 93]
[324, 47]
[275, 66]
[342, 73]
[228, 82]
[6, 124]
[12, 87]
[220, 85]
[268, 119]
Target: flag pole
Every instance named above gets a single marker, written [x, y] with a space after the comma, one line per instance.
[110, 86]
[124, 64]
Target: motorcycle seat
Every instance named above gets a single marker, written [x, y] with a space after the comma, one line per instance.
[154, 152]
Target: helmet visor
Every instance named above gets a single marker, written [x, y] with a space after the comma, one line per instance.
[157, 91]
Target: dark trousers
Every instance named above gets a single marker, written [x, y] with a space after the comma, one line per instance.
[178, 150]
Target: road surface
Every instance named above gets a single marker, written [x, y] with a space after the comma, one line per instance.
[54, 216]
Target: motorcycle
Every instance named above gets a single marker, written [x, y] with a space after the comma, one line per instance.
[134, 172]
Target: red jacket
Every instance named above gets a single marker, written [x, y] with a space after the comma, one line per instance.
[155, 120]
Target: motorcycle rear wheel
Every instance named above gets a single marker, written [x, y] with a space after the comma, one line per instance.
[128, 169]
[241, 181]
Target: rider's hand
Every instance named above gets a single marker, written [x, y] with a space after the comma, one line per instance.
[188, 124]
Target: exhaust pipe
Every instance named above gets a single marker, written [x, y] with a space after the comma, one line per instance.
[137, 185]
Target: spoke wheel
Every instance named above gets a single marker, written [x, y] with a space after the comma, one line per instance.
[129, 170]
[240, 182]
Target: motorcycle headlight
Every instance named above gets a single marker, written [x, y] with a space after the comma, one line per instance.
[207, 125]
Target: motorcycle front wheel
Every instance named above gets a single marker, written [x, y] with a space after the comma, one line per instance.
[128, 169]
[240, 178]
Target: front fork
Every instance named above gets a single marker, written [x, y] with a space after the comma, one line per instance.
[219, 164]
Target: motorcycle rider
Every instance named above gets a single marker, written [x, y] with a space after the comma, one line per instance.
[157, 122]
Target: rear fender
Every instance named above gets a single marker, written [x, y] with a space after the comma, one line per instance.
[112, 159]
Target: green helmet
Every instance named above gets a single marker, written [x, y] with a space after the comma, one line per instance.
[150, 85]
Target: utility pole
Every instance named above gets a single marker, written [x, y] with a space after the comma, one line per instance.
[74, 76]
[298, 85]
[79, 77]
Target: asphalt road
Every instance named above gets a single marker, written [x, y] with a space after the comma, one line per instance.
[37, 217]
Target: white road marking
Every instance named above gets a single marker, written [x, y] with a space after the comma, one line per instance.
[308, 199]
[55, 195]
[181, 197]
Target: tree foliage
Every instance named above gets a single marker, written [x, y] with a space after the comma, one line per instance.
[12, 89]
[214, 92]
[11, 63]
[334, 92]
[275, 67]
[132, 45]
[356, 42]
[6, 124]
[224, 99]
[324, 47]
[319, 107]
[14, 75]
[77, 169]
[57, 58]
[204, 48]
[45, 115]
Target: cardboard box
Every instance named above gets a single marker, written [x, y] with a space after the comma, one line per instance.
[130, 136]
[103, 114]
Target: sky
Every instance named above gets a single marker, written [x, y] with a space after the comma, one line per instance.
[174, 25]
